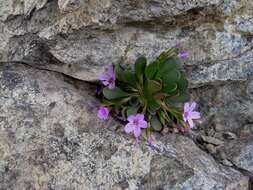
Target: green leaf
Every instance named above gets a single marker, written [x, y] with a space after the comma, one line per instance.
[153, 105]
[123, 113]
[162, 117]
[126, 76]
[167, 66]
[151, 70]
[155, 123]
[171, 77]
[153, 86]
[180, 98]
[132, 110]
[140, 66]
[182, 83]
[114, 93]
[129, 77]
[169, 88]
[134, 101]
[105, 102]
[115, 102]
[119, 72]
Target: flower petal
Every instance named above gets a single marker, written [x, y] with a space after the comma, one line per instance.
[191, 124]
[103, 113]
[103, 77]
[195, 115]
[105, 82]
[137, 132]
[111, 85]
[186, 107]
[111, 71]
[140, 117]
[193, 106]
[143, 124]
[150, 141]
[183, 54]
[184, 116]
[129, 128]
[131, 118]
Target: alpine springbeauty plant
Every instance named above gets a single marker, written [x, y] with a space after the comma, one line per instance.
[149, 96]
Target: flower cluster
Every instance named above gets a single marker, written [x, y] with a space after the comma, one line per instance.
[150, 97]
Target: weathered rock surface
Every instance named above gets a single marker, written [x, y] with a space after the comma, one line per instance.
[86, 36]
[241, 153]
[51, 139]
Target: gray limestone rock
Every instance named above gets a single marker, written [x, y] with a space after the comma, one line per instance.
[51, 139]
[240, 152]
[87, 36]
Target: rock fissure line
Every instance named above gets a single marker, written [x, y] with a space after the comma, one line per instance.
[188, 17]
[243, 171]
[246, 173]
[39, 68]
[49, 70]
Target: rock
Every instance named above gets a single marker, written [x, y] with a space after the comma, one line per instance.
[13, 8]
[221, 155]
[229, 136]
[227, 163]
[240, 152]
[246, 130]
[225, 136]
[69, 5]
[211, 148]
[51, 139]
[211, 140]
[250, 89]
[87, 36]
[239, 69]
[226, 107]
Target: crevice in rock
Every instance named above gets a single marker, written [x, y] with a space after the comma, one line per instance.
[193, 136]
[245, 173]
[192, 17]
[90, 83]
[184, 20]
[36, 53]
[27, 16]
[217, 84]
[215, 61]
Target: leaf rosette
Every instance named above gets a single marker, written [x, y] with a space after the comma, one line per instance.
[157, 90]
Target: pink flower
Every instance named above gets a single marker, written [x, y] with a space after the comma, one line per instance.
[108, 78]
[136, 123]
[189, 113]
[151, 141]
[103, 113]
[183, 54]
